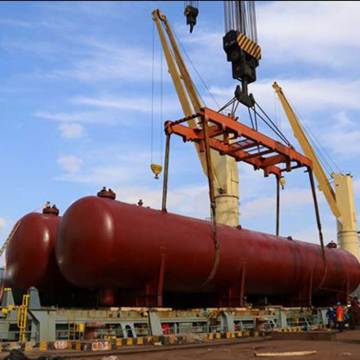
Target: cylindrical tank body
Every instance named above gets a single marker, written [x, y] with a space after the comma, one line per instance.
[30, 258]
[107, 244]
[30, 262]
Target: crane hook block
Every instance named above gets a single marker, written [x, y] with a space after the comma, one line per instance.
[156, 169]
[243, 53]
[191, 14]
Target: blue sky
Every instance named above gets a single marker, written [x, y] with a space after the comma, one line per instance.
[75, 103]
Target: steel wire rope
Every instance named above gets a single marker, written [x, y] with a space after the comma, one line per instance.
[271, 125]
[251, 119]
[161, 105]
[197, 73]
[324, 157]
[317, 147]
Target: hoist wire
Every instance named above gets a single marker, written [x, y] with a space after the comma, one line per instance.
[225, 15]
[254, 21]
[240, 16]
[244, 18]
[193, 3]
[152, 96]
[197, 73]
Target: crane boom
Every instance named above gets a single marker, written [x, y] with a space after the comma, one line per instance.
[225, 172]
[341, 200]
[324, 184]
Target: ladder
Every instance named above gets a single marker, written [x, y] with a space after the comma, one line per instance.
[5, 244]
[22, 317]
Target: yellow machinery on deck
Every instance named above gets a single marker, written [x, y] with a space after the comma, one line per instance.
[225, 171]
[340, 197]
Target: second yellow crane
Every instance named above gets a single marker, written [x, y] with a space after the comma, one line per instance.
[340, 197]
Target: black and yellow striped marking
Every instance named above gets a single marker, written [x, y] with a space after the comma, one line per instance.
[249, 46]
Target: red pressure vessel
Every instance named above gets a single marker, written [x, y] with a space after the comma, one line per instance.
[30, 258]
[30, 262]
[109, 245]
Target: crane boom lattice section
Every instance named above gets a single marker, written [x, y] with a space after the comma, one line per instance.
[230, 137]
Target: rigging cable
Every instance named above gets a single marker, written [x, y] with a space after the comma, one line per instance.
[251, 119]
[324, 158]
[161, 105]
[272, 125]
[152, 96]
[197, 73]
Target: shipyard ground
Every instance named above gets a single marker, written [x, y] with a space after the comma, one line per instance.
[345, 345]
[341, 345]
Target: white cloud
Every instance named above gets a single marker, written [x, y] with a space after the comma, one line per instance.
[310, 234]
[98, 175]
[108, 166]
[342, 136]
[104, 61]
[264, 205]
[309, 98]
[70, 163]
[309, 94]
[138, 104]
[83, 117]
[332, 28]
[178, 199]
[71, 130]
[314, 32]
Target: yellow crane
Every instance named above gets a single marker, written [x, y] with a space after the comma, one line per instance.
[225, 171]
[340, 197]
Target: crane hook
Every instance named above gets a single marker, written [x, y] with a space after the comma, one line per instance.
[156, 169]
[191, 14]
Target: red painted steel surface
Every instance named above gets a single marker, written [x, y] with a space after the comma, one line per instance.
[105, 244]
[30, 257]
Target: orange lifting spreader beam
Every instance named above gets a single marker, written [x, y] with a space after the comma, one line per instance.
[230, 137]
